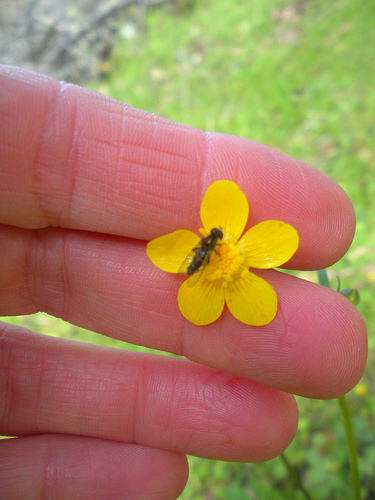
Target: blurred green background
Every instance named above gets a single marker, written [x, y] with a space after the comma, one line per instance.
[298, 76]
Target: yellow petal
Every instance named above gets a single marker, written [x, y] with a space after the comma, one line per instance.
[170, 251]
[202, 303]
[224, 205]
[269, 244]
[252, 300]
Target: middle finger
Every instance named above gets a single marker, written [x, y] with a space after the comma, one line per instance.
[316, 346]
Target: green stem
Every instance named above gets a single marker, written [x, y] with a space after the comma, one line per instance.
[352, 451]
[293, 473]
[350, 440]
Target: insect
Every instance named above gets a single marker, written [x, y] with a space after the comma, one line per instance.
[200, 255]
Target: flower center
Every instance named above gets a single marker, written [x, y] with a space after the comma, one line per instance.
[226, 263]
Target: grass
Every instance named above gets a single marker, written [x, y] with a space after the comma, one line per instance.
[300, 77]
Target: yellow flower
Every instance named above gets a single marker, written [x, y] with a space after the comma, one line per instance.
[361, 390]
[223, 275]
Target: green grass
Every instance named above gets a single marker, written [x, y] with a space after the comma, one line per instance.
[300, 77]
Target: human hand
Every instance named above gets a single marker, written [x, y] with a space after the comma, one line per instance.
[85, 183]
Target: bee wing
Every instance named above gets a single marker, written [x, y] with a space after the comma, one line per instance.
[192, 279]
[186, 262]
[195, 276]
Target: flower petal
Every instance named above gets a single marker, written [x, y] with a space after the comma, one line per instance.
[224, 205]
[169, 252]
[252, 300]
[269, 244]
[202, 303]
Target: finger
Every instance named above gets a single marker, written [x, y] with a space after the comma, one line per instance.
[53, 466]
[89, 162]
[158, 401]
[315, 347]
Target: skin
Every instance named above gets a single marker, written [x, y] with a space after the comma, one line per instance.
[85, 182]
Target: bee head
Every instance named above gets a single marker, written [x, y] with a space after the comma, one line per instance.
[217, 233]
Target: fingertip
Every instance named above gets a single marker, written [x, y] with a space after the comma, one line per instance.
[326, 228]
[277, 433]
[329, 338]
[279, 187]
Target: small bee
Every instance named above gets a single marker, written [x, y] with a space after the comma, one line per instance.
[200, 255]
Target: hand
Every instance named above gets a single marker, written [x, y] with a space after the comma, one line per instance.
[85, 182]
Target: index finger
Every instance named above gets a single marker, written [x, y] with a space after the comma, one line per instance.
[89, 162]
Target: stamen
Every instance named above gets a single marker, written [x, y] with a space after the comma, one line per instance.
[226, 264]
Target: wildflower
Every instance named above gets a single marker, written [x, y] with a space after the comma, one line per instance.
[361, 390]
[224, 276]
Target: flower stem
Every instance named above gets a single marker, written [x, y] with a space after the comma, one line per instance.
[353, 296]
[293, 473]
[351, 445]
